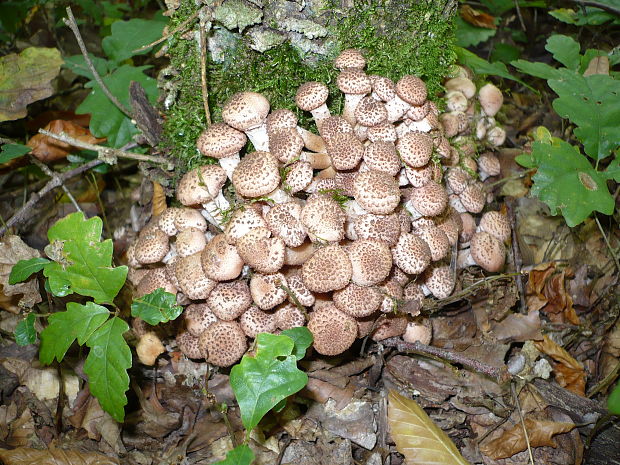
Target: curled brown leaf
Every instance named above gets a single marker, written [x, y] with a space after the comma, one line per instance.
[569, 373]
[48, 149]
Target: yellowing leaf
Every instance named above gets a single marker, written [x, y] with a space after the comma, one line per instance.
[512, 441]
[417, 437]
[28, 456]
[569, 372]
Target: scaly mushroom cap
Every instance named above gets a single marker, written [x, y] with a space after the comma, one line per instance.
[489, 164]
[380, 227]
[329, 269]
[299, 290]
[223, 343]
[192, 280]
[383, 87]
[457, 179]
[221, 141]
[345, 150]
[419, 177]
[370, 112]
[245, 110]
[437, 241]
[152, 246]
[285, 144]
[323, 218]
[358, 301]
[166, 221]
[281, 119]
[488, 251]
[491, 99]
[430, 200]
[419, 331]
[333, 330]
[382, 156]
[230, 299]
[334, 125]
[288, 316]
[392, 292]
[451, 229]
[201, 185]
[153, 280]
[256, 175]
[311, 95]
[419, 112]
[353, 81]
[242, 221]
[413, 295]
[439, 279]
[473, 198]
[261, 251]
[190, 242]
[187, 218]
[283, 220]
[415, 148]
[377, 192]
[385, 132]
[255, 321]
[220, 260]
[268, 290]
[468, 227]
[371, 261]
[298, 176]
[350, 58]
[411, 254]
[188, 345]
[496, 224]
[390, 325]
[198, 317]
[411, 89]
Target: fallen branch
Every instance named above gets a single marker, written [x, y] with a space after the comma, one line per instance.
[53, 174]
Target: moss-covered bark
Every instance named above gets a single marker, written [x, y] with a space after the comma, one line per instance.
[272, 46]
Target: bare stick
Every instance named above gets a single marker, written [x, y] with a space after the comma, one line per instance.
[602, 6]
[76, 32]
[525, 434]
[516, 252]
[105, 153]
[611, 250]
[54, 182]
[170, 34]
[498, 373]
[52, 174]
[203, 65]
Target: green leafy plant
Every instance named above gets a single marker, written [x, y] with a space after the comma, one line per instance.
[565, 180]
[81, 263]
[613, 401]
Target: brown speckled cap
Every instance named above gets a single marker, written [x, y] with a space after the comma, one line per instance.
[152, 280]
[411, 254]
[201, 185]
[223, 343]
[151, 247]
[189, 242]
[382, 156]
[311, 95]
[267, 290]
[353, 81]
[376, 191]
[192, 280]
[419, 177]
[241, 222]
[245, 110]
[188, 345]
[370, 112]
[261, 251]
[439, 279]
[281, 119]
[345, 150]
[187, 218]
[166, 221]
[496, 224]
[371, 261]
[220, 260]
[382, 132]
[383, 87]
[415, 148]
[256, 175]
[358, 301]
[283, 220]
[221, 141]
[299, 289]
[487, 251]
[255, 321]
[230, 299]
[334, 125]
[285, 144]
[381, 227]
[289, 316]
[329, 269]
[411, 89]
[333, 330]
[437, 241]
[323, 218]
[473, 198]
[350, 58]
[198, 317]
[298, 176]
[430, 200]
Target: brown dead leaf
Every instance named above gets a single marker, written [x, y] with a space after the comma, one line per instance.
[518, 328]
[416, 436]
[321, 391]
[569, 373]
[12, 250]
[159, 200]
[48, 150]
[477, 18]
[28, 456]
[512, 441]
[546, 291]
[597, 65]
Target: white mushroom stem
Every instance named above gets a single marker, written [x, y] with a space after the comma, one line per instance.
[464, 259]
[214, 210]
[350, 104]
[170, 255]
[396, 109]
[455, 202]
[423, 125]
[279, 196]
[312, 141]
[229, 164]
[412, 211]
[426, 290]
[320, 113]
[403, 180]
[259, 138]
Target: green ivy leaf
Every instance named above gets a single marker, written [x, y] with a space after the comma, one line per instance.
[302, 338]
[156, 307]
[107, 120]
[82, 263]
[12, 151]
[106, 366]
[565, 50]
[613, 401]
[25, 334]
[262, 381]
[240, 455]
[130, 35]
[77, 322]
[566, 181]
[23, 269]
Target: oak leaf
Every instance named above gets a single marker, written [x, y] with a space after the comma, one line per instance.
[28, 456]
[477, 18]
[569, 373]
[48, 149]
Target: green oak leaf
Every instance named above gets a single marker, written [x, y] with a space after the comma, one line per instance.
[25, 334]
[77, 322]
[613, 170]
[156, 307]
[566, 181]
[107, 120]
[468, 34]
[240, 455]
[82, 263]
[302, 338]
[106, 366]
[541, 70]
[77, 64]
[262, 381]
[129, 35]
[565, 50]
[23, 269]
[482, 66]
[613, 401]
[12, 151]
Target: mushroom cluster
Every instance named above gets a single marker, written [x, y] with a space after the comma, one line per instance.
[333, 230]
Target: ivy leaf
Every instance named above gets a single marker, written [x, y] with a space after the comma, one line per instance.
[156, 307]
[566, 181]
[82, 263]
[129, 35]
[25, 334]
[613, 401]
[12, 151]
[23, 269]
[613, 170]
[77, 322]
[240, 455]
[590, 102]
[107, 120]
[302, 338]
[262, 381]
[106, 366]
[565, 50]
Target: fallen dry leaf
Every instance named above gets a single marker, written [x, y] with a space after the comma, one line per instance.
[477, 18]
[597, 65]
[546, 291]
[416, 436]
[320, 391]
[12, 250]
[27, 456]
[512, 441]
[159, 200]
[518, 328]
[569, 373]
[48, 149]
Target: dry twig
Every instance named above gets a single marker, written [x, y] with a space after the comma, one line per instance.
[52, 174]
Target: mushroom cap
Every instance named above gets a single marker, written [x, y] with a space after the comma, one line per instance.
[376, 191]
[462, 84]
[382, 156]
[198, 317]
[255, 321]
[439, 279]
[488, 251]
[187, 218]
[419, 331]
[241, 222]
[380, 227]
[457, 179]
[190, 241]
[358, 301]
[451, 228]
[333, 330]
[353, 81]
[419, 177]
[430, 200]
[268, 290]
[152, 246]
[221, 141]
[383, 87]
[288, 316]
[333, 125]
[328, 269]
[149, 347]
[283, 220]
[392, 292]
[345, 150]
[230, 299]
[413, 296]
[468, 227]
[298, 176]
[390, 325]
[496, 224]
[437, 241]
[220, 260]
[489, 163]
[201, 185]
[491, 99]
[370, 112]
[299, 290]
[245, 110]
[350, 58]
[415, 148]
[166, 220]
[411, 254]
[281, 119]
[298, 255]
[256, 174]
[311, 95]
[154, 279]
[382, 132]
[285, 144]
[371, 261]
[473, 198]
[261, 251]
[323, 218]
[411, 89]
[419, 112]
[193, 282]
[188, 344]
[223, 343]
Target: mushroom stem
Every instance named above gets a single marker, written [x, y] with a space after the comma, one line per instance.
[396, 108]
[259, 138]
[318, 161]
[319, 114]
[214, 210]
[229, 164]
[312, 141]
[350, 104]
[464, 259]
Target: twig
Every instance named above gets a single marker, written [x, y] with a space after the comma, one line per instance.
[76, 32]
[488, 187]
[605, 382]
[498, 373]
[525, 434]
[203, 65]
[520, 16]
[516, 253]
[105, 153]
[611, 250]
[52, 174]
[54, 182]
[170, 34]
[601, 6]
